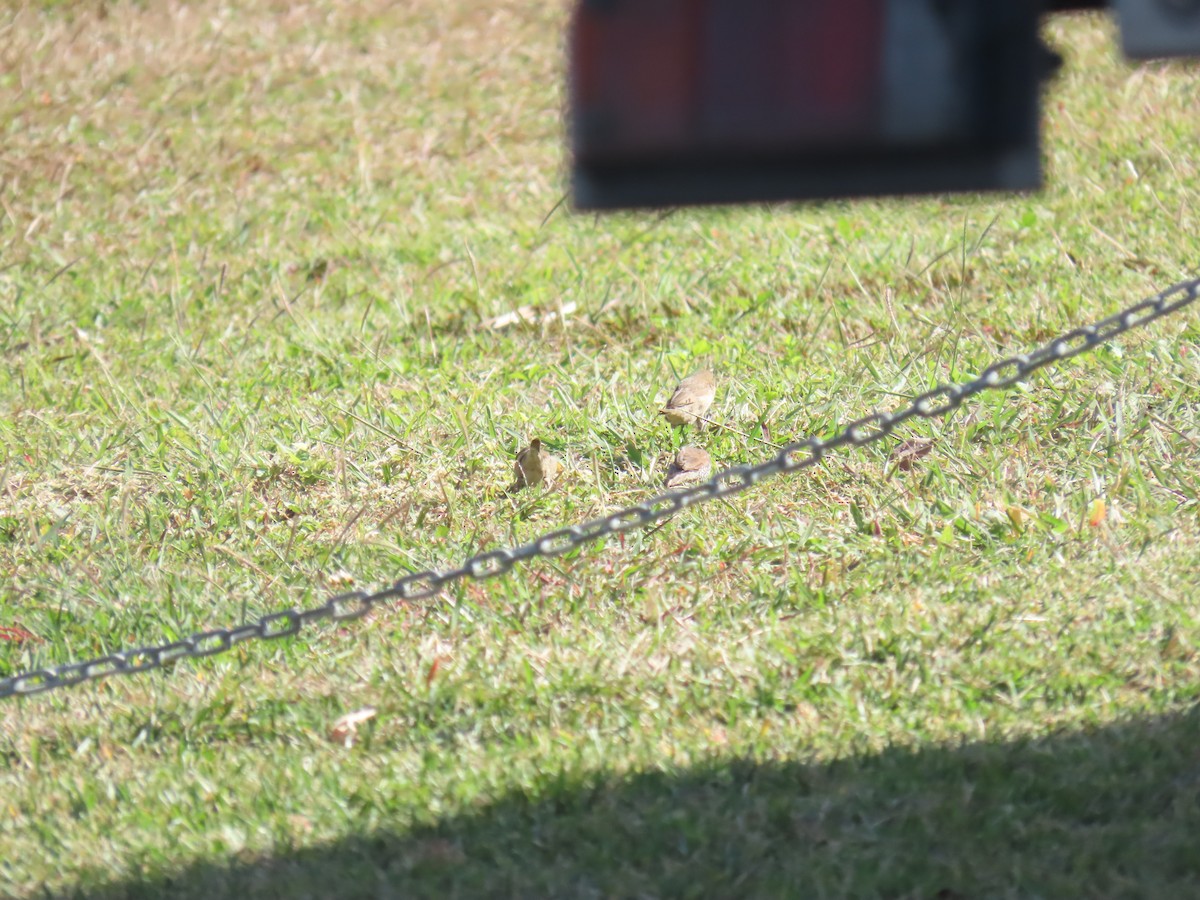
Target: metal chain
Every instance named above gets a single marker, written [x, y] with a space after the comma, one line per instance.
[790, 458]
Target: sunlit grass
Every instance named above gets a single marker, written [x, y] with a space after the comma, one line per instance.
[249, 258]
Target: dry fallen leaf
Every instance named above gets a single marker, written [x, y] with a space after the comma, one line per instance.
[345, 729]
[1172, 647]
[906, 453]
[530, 314]
[1017, 516]
[341, 578]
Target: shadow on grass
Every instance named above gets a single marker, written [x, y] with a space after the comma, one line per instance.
[1109, 812]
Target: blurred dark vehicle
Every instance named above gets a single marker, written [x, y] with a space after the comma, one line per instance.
[729, 101]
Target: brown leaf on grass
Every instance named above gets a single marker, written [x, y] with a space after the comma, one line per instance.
[530, 314]
[906, 453]
[1173, 647]
[345, 729]
[1017, 516]
[339, 579]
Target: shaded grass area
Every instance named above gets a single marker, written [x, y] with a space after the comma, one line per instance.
[249, 260]
[1080, 814]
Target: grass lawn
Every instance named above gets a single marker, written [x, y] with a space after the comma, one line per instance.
[251, 259]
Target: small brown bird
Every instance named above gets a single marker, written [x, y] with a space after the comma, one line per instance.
[691, 399]
[536, 466]
[692, 465]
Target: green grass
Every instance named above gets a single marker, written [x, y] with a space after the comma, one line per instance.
[248, 258]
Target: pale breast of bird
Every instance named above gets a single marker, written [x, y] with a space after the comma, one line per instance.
[535, 466]
[528, 470]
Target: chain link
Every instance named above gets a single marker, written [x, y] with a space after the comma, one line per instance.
[790, 458]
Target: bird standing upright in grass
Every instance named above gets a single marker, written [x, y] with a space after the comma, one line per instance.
[536, 466]
[692, 465]
[691, 399]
